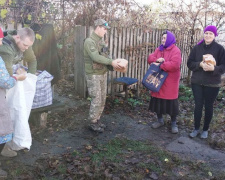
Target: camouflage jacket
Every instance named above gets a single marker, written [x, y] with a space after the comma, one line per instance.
[95, 56]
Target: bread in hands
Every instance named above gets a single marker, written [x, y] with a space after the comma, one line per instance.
[209, 59]
[123, 64]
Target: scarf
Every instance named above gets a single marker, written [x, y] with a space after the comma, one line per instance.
[170, 40]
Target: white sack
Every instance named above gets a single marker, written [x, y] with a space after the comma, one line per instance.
[20, 99]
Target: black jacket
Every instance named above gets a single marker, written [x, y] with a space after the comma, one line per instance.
[199, 76]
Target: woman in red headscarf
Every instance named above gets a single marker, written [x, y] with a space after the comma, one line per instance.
[207, 63]
[6, 125]
[166, 100]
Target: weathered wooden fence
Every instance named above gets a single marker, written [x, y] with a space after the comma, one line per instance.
[132, 44]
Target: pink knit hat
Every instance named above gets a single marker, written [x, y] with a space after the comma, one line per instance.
[209, 28]
[212, 29]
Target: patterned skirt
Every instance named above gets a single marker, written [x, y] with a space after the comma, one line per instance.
[164, 106]
[6, 138]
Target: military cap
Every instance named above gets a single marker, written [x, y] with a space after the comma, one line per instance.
[101, 22]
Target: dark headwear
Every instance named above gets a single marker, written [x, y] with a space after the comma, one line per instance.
[101, 22]
[170, 40]
[209, 28]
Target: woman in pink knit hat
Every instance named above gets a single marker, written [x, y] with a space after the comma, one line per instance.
[207, 63]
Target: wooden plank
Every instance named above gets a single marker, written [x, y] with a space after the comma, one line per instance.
[144, 56]
[119, 52]
[115, 55]
[145, 61]
[134, 52]
[123, 55]
[110, 74]
[127, 74]
[138, 62]
[19, 26]
[123, 43]
[185, 56]
[79, 63]
[10, 26]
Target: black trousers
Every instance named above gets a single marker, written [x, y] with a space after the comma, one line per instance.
[1, 147]
[204, 96]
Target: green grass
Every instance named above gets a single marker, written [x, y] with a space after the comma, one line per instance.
[75, 153]
[134, 102]
[150, 166]
[119, 150]
[62, 169]
[110, 152]
[185, 93]
[121, 157]
[115, 148]
[49, 178]
[17, 172]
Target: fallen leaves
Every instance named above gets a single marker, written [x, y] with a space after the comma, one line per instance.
[210, 173]
[154, 176]
[88, 147]
[166, 160]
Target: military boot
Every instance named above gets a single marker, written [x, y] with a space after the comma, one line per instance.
[96, 127]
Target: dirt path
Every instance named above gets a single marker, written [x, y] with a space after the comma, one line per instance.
[61, 136]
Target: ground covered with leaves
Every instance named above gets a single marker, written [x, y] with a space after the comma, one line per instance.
[118, 157]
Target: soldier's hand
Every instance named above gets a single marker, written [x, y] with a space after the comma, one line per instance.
[21, 77]
[116, 65]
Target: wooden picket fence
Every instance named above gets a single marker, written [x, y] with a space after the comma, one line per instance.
[132, 44]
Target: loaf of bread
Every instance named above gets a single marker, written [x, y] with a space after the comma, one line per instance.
[210, 62]
[123, 64]
[209, 59]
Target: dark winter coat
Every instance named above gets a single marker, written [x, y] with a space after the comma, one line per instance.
[201, 77]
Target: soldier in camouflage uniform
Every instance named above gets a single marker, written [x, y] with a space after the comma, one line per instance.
[96, 62]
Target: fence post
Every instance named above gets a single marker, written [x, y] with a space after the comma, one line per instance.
[79, 71]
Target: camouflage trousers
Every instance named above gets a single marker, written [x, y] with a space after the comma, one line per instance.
[96, 85]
